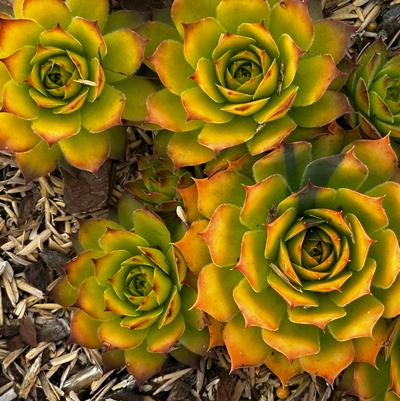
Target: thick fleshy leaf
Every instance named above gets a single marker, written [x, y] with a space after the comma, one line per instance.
[291, 295]
[278, 106]
[117, 66]
[327, 109]
[339, 171]
[332, 358]
[91, 299]
[195, 341]
[380, 159]
[161, 340]
[113, 336]
[264, 309]
[232, 13]
[367, 349]
[367, 383]
[199, 106]
[389, 297]
[24, 141]
[114, 239]
[151, 227]
[293, 340]
[185, 11]
[18, 64]
[391, 198]
[193, 247]
[136, 89]
[292, 17]
[89, 35]
[368, 209]
[63, 293]
[55, 127]
[290, 57]
[119, 306]
[237, 339]
[215, 287]
[16, 33]
[172, 68]
[360, 320]
[271, 135]
[313, 77]
[184, 150]
[38, 161]
[165, 109]
[222, 187]
[252, 262]
[224, 235]
[281, 367]
[57, 37]
[123, 19]
[107, 265]
[386, 252]
[81, 267]
[39, 11]
[357, 285]
[106, 112]
[220, 136]
[17, 101]
[113, 360]
[142, 321]
[261, 200]
[84, 330]
[91, 231]
[331, 37]
[320, 316]
[279, 162]
[276, 231]
[142, 364]
[93, 150]
[200, 39]
[95, 10]
[206, 78]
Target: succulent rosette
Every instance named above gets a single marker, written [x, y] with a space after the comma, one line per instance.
[243, 72]
[379, 382]
[301, 260]
[65, 81]
[374, 89]
[156, 186]
[133, 295]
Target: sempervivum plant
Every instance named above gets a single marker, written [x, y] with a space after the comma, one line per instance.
[374, 88]
[381, 381]
[65, 84]
[156, 187]
[301, 261]
[243, 72]
[132, 298]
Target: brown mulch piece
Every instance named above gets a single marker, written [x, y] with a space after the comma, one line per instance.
[38, 224]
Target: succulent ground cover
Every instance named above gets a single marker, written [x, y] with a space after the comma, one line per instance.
[269, 248]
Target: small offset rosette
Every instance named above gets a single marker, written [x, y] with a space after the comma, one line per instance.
[237, 71]
[302, 261]
[65, 82]
[374, 88]
[131, 296]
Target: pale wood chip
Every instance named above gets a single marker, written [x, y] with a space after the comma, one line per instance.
[34, 244]
[30, 378]
[48, 389]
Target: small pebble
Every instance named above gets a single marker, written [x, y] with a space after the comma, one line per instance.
[371, 27]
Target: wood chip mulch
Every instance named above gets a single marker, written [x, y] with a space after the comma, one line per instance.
[38, 226]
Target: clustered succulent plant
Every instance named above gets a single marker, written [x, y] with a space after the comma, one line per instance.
[65, 82]
[301, 260]
[279, 241]
[132, 297]
[253, 72]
